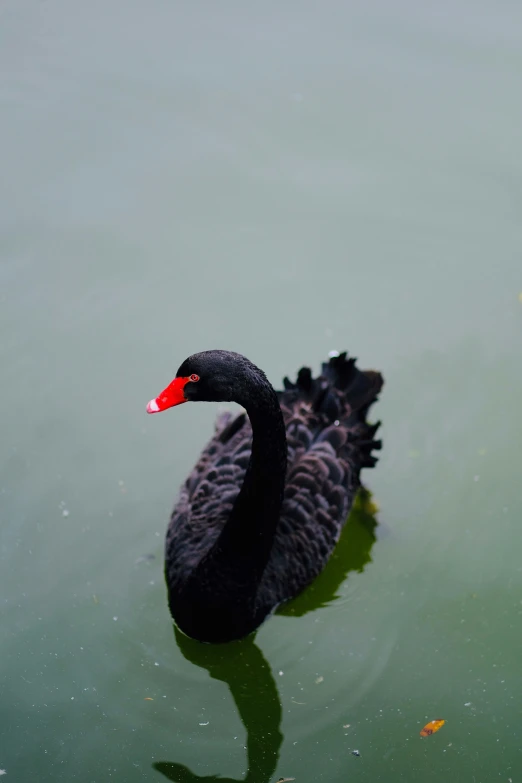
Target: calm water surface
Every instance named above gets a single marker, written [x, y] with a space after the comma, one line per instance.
[280, 180]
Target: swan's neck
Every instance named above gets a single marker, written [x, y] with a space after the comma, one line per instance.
[249, 532]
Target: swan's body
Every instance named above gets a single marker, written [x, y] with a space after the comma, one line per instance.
[261, 512]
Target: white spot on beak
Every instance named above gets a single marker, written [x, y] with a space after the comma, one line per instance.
[152, 407]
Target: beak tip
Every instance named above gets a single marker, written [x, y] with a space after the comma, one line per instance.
[152, 407]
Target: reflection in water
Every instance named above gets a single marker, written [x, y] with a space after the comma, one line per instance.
[242, 665]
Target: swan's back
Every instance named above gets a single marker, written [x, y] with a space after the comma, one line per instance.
[329, 441]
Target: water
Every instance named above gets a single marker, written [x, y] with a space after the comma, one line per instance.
[280, 180]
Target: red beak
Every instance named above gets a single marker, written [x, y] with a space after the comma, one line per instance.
[172, 395]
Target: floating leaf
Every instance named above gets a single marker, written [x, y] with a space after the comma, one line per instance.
[432, 727]
[147, 698]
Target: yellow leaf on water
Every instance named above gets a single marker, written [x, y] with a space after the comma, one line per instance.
[432, 727]
[148, 698]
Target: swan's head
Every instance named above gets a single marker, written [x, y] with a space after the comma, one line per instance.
[211, 376]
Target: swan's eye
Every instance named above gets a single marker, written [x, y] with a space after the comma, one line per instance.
[194, 378]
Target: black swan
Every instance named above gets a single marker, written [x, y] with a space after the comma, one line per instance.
[261, 512]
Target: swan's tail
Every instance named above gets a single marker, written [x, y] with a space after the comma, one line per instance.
[359, 390]
[343, 394]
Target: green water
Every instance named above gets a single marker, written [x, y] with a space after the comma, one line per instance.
[279, 179]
